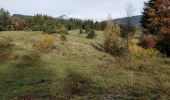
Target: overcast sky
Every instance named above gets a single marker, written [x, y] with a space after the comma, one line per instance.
[85, 9]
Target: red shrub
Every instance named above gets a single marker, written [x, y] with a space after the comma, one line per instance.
[148, 41]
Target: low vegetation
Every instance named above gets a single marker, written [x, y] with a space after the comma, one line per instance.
[44, 44]
[79, 69]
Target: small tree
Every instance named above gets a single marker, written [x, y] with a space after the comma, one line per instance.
[81, 31]
[129, 12]
[62, 30]
[87, 28]
[91, 34]
[45, 43]
[5, 21]
[108, 34]
[63, 37]
[18, 24]
[112, 39]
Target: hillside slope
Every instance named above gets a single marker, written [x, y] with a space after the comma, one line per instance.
[77, 69]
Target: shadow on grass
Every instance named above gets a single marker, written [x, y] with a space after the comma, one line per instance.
[26, 78]
[5, 51]
[98, 47]
[77, 85]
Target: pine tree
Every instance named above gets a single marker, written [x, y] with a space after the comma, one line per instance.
[150, 20]
[92, 34]
[5, 21]
[81, 31]
[164, 15]
[156, 20]
[63, 37]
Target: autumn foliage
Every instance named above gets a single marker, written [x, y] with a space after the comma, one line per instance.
[148, 41]
[156, 21]
[18, 24]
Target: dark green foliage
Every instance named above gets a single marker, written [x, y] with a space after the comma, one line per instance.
[72, 24]
[5, 21]
[46, 23]
[97, 25]
[91, 34]
[43, 23]
[102, 26]
[149, 20]
[125, 30]
[87, 29]
[63, 37]
[164, 46]
[81, 31]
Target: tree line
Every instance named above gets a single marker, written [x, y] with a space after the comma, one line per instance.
[44, 23]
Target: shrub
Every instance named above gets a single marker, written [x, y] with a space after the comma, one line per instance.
[87, 29]
[81, 31]
[148, 41]
[45, 43]
[63, 37]
[49, 29]
[91, 34]
[139, 52]
[62, 30]
[18, 24]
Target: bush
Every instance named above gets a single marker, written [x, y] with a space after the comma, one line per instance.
[81, 31]
[62, 30]
[139, 52]
[45, 43]
[126, 30]
[87, 29]
[63, 37]
[50, 29]
[91, 34]
[148, 41]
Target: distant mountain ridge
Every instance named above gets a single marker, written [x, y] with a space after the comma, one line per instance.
[21, 16]
[135, 20]
[62, 17]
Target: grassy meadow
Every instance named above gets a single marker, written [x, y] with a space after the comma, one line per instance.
[77, 69]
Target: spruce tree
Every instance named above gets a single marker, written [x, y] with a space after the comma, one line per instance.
[91, 34]
[156, 20]
[150, 21]
[5, 21]
[164, 16]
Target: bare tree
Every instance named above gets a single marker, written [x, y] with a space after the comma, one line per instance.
[129, 13]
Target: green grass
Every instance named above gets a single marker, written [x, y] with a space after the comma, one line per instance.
[76, 70]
